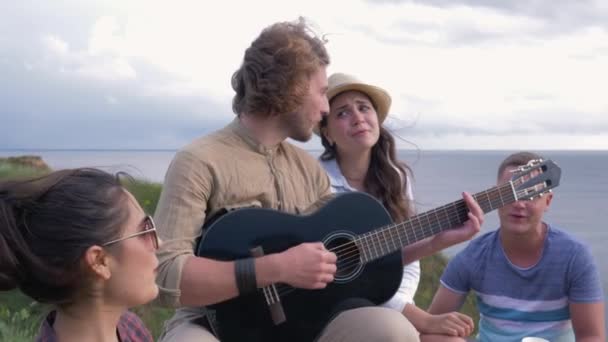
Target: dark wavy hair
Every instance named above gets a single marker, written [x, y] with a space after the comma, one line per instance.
[273, 78]
[48, 223]
[386, 177]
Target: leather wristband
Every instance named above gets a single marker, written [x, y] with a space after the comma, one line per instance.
[244, 272]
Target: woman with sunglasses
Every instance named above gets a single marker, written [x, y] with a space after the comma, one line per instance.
[78, 240]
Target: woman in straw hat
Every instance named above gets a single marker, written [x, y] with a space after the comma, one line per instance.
[78, 240]
[360, 155]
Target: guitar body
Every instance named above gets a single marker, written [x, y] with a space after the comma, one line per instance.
[234, 234]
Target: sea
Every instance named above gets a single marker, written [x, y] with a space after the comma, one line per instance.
[580, 203]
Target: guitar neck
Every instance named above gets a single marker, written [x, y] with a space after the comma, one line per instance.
[386, 240]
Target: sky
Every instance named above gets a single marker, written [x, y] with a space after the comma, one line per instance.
[463, 74]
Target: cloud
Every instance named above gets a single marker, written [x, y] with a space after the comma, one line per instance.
[70, 100]
[561, 16]
[62, 89]
[55, 46]
[97, 64]
[142, 74]
[494, 23]
[415, 24]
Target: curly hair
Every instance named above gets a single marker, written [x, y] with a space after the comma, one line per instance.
[273, 77]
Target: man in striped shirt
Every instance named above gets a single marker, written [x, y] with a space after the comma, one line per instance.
[530, 278]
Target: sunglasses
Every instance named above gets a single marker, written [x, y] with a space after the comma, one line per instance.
[149, 231]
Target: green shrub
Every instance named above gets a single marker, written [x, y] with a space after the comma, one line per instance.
[12, 171]
[146, 193]
[20, 316]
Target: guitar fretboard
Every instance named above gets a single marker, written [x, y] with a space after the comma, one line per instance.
[382, 241]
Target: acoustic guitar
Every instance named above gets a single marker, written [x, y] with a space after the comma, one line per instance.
[358, 229]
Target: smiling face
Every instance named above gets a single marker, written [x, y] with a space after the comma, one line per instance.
[352, 123]
[522, 217]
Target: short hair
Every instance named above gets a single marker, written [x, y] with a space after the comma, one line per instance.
[273, 78]
[517, 159]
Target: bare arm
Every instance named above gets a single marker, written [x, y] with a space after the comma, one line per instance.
[447, 238]
[206, 281]
[446, 300]
[588, 321]
[452, 323]
[185, 279]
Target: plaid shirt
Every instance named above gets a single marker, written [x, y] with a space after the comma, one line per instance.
[130, 328]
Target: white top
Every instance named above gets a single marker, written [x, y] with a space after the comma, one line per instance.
[411, 272]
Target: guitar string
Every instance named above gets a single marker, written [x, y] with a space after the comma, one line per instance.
[445, 211]
[351, 256]
[455, 207]
[418, 225]
[351, 261]
[285, 288]
[401, 229]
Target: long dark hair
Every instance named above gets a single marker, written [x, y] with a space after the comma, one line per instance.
[48, 223]
[386, 177]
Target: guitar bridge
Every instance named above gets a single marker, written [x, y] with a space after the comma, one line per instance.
[273, 299]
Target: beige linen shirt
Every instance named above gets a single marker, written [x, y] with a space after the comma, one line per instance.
[227, 169]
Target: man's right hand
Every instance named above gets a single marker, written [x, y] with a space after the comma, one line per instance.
[307, 266]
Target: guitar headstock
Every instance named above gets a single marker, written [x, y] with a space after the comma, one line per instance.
[535, 179]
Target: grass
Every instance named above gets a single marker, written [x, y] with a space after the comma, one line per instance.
[9, 170]
[146, 193]
[20, 316]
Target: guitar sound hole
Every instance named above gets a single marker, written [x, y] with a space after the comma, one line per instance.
[348, 254]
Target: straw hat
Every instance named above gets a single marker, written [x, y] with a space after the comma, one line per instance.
[339, 83]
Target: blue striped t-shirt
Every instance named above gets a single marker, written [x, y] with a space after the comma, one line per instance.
[515, 302]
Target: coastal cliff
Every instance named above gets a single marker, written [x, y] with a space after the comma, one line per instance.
[34, 162]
